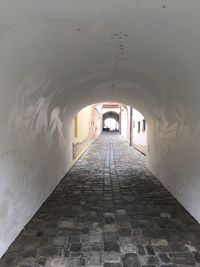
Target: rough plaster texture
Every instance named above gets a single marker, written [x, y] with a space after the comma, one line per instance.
[58, 56]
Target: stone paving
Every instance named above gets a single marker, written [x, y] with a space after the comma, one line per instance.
[108, 211]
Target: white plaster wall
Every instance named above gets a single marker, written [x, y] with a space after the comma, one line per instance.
[174, 157]
[56, 57]
[33, 157]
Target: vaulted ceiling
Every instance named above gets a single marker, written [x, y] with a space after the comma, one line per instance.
[139, 51]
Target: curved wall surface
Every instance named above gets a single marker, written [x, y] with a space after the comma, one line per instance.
[57, 57]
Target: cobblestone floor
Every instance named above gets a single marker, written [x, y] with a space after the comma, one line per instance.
[108, 211]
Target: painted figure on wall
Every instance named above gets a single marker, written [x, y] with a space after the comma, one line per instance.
[56, 125]
[29, 116]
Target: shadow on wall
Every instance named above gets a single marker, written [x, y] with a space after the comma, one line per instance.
[29, 118]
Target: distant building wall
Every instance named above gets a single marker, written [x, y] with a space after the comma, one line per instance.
[86, 127]
[139, 132]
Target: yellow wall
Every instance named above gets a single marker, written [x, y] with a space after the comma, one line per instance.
[86, 127]
[82, 124]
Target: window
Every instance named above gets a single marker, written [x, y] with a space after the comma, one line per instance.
[138, 127]
[144, 125]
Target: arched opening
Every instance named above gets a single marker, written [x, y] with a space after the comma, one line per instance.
[111, 116]
[94, 119]
[110, 124]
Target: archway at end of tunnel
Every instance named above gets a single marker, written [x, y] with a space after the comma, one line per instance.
[110, 117]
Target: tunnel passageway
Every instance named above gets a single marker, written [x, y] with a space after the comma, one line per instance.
[58, 57]
[109, 210]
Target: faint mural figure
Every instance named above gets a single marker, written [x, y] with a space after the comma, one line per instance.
[22, 104]
[56, 125]
[168, 131]
[39, 116]
[29, 116]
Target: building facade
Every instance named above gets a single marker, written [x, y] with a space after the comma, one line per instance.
[86, 128]
[139, 131]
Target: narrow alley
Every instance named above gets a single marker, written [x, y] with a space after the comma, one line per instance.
[110, 211]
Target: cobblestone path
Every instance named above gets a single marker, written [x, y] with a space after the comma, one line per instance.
[108, 211]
